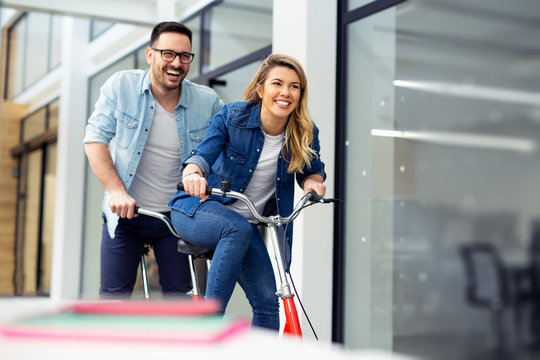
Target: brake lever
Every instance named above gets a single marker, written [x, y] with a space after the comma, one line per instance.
[313, 197]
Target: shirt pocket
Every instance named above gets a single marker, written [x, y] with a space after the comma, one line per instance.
[197, 135]
[126, 129]
[233, 162]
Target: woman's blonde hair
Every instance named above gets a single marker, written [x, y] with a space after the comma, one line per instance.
[299, 128]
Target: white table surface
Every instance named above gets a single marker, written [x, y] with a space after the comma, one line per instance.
[254, 344]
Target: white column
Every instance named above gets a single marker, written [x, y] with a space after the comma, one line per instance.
[67, 241]
[306, 30]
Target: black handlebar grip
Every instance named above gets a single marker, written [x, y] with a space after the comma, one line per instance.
[312, 195]
[180, 186]
[136, 209]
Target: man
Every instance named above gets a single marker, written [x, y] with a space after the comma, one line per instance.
[152, 119]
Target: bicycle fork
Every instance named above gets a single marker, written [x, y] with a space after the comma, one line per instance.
[292, 323]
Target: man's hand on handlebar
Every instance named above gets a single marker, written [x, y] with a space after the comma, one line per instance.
[194, 183]
[122, 204]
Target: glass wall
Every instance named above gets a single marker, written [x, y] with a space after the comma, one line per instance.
[98, 27]
[442, 164]
[34, 49]
[235, 29]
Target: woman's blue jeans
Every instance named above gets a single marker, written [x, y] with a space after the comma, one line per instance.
[240, 256]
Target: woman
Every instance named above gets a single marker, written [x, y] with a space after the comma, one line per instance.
[258, 145]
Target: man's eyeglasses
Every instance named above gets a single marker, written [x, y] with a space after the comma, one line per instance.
[169, 56]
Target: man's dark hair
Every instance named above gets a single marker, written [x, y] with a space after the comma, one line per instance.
[169, 26]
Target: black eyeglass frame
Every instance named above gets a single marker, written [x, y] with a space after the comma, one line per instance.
[179, 54]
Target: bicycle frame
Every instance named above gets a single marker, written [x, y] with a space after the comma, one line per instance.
[292, 323]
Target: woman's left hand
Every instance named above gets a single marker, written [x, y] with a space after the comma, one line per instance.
[315, 183]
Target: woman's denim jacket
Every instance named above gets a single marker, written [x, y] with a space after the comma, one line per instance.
[230, 151]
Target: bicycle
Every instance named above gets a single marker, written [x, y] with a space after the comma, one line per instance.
[273, 222]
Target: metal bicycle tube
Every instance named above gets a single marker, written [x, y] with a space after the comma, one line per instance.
[195, 291]
[285, 290]
[144, 276]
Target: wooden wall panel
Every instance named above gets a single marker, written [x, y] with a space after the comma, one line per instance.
[10, 115]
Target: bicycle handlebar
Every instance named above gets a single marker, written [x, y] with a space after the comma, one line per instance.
[224, 192]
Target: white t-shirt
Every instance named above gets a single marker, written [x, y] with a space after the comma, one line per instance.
[262, 186]
[156, 177]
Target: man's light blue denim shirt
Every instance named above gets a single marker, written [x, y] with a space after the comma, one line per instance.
[123, 115]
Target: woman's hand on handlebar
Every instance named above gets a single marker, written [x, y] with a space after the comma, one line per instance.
[314, 183]
[194, 183]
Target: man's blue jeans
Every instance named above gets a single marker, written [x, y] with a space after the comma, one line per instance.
[120, 257]
[240, 256]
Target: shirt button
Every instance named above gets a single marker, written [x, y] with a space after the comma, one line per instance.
[198, 138]
[129, 124]
[232, 158]
[151, 106]
[138, 153]
[258, 150]
[241, 190]
[278, 199]
[181, 141]
[280, 156]
[130, 174]
[146, 130]
[250, 170]
[177, 119]
[278, 179]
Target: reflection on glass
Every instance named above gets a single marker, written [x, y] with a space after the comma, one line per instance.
[16, 60]
[31, 224]
[98, 27]
[34, 124]
[56, 41]
[37, 47]
[140, 55]
[238, 29]
[53, 115]
[195, 26]
[48, 220]
[443, 134]
[233, 84]
[353, 4]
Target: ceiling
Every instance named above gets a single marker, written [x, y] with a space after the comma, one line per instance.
[138, 12]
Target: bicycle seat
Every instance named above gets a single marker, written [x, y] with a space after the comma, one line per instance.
[189, 249]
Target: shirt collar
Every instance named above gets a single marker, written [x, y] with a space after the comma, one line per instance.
[184, 97]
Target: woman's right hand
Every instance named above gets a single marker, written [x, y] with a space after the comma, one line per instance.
[194, 183]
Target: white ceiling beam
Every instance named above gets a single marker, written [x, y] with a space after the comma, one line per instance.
[137, 12]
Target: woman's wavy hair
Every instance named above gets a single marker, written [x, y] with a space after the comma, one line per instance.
[299, 130]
